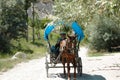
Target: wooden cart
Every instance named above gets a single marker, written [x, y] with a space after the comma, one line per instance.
[50, 62]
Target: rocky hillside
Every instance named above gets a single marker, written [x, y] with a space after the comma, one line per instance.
[42, 9]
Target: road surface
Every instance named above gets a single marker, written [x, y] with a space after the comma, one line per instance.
[94, 68]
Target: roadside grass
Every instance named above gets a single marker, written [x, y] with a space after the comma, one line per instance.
[6, 64]
[94, 53]
[33, 50]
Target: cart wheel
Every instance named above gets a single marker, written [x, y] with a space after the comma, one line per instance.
[79, 66]
[47, 67]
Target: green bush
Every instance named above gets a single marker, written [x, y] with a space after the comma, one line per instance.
[103, 33]
[12, 23]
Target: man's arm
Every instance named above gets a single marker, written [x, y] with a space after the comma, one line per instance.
[58, 43]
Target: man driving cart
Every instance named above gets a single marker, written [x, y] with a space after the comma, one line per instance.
[55, 49]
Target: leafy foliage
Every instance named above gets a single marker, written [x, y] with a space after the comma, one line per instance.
[43, 23]
[12, 23]
[66, 29]
[83, 11]
[103, 34]
[104, 31]
[38, 25]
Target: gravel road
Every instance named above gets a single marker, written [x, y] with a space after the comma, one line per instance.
[94, 68]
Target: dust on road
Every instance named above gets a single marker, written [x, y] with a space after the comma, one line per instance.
[94, 68]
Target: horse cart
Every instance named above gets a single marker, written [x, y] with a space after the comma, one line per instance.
[52, 59]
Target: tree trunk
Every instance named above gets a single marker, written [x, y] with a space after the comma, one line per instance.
[33, 24]
[26, 7]
[38, 35]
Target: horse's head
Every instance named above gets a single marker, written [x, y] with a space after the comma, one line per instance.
[71, 43]
[71, 40]
[68, 44]
[63, 45]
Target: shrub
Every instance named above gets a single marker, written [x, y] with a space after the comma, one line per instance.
[103, 33]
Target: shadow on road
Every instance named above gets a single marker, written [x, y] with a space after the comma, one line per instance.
[83, 77]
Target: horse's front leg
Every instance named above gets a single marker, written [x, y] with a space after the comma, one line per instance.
[63, 62]
[68, 68]
[74, 64]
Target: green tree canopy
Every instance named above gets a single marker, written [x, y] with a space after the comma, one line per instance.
[85, 12]
[12, 22]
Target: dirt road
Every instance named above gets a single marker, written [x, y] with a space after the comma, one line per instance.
[94, 68]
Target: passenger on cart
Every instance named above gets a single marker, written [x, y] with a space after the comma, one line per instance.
[55, 49]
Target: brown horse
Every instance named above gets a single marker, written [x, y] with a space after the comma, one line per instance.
[67, 48]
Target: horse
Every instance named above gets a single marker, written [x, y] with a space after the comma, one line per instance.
[67, 49]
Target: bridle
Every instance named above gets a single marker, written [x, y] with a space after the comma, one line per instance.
[71, 45]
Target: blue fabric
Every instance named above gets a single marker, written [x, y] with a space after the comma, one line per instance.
[47, 31]
[53, 49]
[78, 31]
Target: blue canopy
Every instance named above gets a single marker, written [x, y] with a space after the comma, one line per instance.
[78, 31]
[47, 31]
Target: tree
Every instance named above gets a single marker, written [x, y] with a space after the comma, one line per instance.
[27, 5]
[85, 12]
[35, 16]
[12, 23]
[103, 34]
